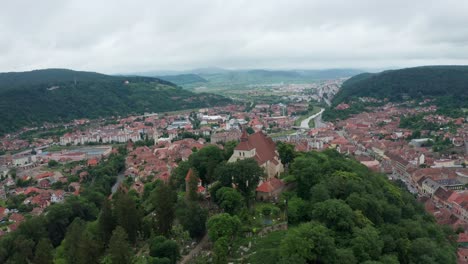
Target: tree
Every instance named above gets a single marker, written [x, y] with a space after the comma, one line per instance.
[43, 253]
[106, 222]
[335, 214]
[229, 149]
[72, 241]
[247, 178]
[205, 162]
[161, 247]
[229, 200]
[309, 170]
[119, 249]
[310, 242]
[127, 215]
[192, 186]
[297, 210]
[345, 256]
[52, 163]
[223, 225]
[192, 217]
[286, 152]
[367, 244]
[178, 175]
[225, 173]
[319, 193]
[220, 250]
[12, 172]
[80, 247]
[163, 200]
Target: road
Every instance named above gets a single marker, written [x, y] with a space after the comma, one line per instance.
[119, 181]
[305, 122]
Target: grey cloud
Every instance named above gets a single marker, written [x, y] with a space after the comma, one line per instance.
[128, 36]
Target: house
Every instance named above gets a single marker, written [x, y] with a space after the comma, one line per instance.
[462, 254]
[231, 135]
[93, 162]
[3, 212]
[262, 149]
[399, 165]
[270, 189]
[57, 196]
[17, 218]
[451, 184]
[44, 184]
[429, 187]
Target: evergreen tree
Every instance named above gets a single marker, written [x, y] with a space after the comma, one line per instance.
[106, 222]
[127, 215]
[119, 249]
[163, 201]
[192, 217]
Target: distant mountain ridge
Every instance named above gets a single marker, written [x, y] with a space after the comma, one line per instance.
[183, 79]
[417, 82]
[52, 95]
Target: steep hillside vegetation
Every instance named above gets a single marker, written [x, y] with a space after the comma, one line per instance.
[31, 98]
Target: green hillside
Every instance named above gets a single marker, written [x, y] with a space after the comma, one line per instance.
[31, 98]
[447, 82]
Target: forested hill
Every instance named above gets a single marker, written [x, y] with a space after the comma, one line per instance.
[31, 98]
[447, 82]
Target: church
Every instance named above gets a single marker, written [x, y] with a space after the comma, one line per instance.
[262, 149]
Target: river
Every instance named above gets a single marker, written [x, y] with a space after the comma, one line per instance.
[318, 123]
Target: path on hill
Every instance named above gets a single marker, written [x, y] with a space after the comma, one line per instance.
[120, 179]
[195, 251]
[305, 122]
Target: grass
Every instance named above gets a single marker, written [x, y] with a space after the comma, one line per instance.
[282, 133]
[58, 148]
[312, 123]
[266, 248]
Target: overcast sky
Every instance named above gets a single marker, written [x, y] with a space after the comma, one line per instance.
[130, 36]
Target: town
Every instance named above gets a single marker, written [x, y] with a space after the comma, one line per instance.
[430, 163]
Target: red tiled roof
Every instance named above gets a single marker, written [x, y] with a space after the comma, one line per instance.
[462, 254]
[270, 185]
[92, 162]
[462, 238]
[265, 148]
[200, 189]
[45, 175]
[16, 218]
[443, 194]
[31, 190]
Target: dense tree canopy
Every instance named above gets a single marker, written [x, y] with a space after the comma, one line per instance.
[447, 84]
[54, 95]
[360, 215]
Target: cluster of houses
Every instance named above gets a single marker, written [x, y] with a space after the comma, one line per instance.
[39, 194]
